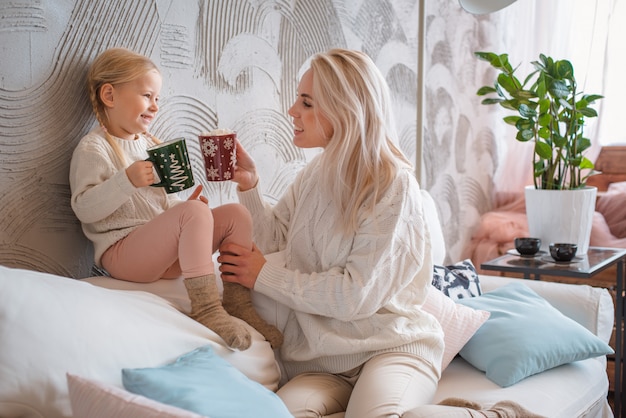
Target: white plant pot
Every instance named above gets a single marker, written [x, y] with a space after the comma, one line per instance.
[561, 216]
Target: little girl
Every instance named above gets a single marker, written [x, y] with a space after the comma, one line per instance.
[140, 233]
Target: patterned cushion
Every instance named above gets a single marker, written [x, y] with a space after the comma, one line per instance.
[457, 281]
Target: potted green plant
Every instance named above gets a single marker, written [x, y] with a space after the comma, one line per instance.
[551, 112]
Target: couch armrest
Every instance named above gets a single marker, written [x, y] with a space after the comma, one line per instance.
[592, 307]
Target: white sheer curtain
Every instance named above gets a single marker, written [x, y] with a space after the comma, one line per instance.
[611, 130]
[586, 32]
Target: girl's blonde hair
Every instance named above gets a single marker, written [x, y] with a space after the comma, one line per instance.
[114, 66]
[360, 161]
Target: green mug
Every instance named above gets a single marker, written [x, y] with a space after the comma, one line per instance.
[171, 163]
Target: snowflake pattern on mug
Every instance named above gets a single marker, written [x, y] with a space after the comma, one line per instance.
[208, 148]
[218, 167]
[212, 173]
[229, 143]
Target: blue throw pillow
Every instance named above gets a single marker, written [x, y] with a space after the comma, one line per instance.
[525, 335]
[203, 382]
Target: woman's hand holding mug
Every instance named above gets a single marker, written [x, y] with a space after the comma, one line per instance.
[245, 174]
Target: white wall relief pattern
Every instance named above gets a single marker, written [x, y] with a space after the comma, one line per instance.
[228, 63]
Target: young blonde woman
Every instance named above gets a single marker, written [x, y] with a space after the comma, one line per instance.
[140, 233]
[356, 258]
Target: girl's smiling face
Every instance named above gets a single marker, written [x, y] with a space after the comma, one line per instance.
[132, 106]
[311, 128]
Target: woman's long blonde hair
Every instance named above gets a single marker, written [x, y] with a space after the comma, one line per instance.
[114, 66]
[360, 161]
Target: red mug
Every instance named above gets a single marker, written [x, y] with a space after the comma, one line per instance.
[219, 151]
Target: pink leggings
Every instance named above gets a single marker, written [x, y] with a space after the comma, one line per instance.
[180, 241]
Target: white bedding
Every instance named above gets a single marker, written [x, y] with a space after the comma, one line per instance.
[50, 326]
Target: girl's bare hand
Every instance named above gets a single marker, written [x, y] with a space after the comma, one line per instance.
[196, 195]
[141, 173]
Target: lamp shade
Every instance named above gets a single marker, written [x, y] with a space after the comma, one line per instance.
[479, 7]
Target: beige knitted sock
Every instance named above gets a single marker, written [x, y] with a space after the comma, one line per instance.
[502, 409]
[207, 309]
[510, 409]
[238, 302]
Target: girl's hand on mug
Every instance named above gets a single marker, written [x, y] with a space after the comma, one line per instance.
[140, 173]
[245, 174]
[196, 195]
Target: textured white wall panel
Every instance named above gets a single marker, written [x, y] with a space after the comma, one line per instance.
[228, 63]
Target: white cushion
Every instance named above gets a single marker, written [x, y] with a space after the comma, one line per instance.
[172, 290]
[51, 325]
[431, 216]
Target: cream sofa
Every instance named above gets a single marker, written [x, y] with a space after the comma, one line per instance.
[577, 389]
[58, 334]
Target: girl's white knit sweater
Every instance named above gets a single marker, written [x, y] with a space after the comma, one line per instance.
[351, 297]
[107, 204]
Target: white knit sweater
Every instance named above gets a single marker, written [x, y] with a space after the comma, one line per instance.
[351, 297]
[103, 198]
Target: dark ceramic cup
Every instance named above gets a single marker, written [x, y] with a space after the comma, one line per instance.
[563, 251]
[527, 245]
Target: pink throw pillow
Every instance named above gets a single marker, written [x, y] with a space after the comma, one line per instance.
[92, 399]
[459, 322]
[612, 206]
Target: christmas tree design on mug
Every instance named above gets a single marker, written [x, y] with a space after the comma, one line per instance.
[171, 163]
